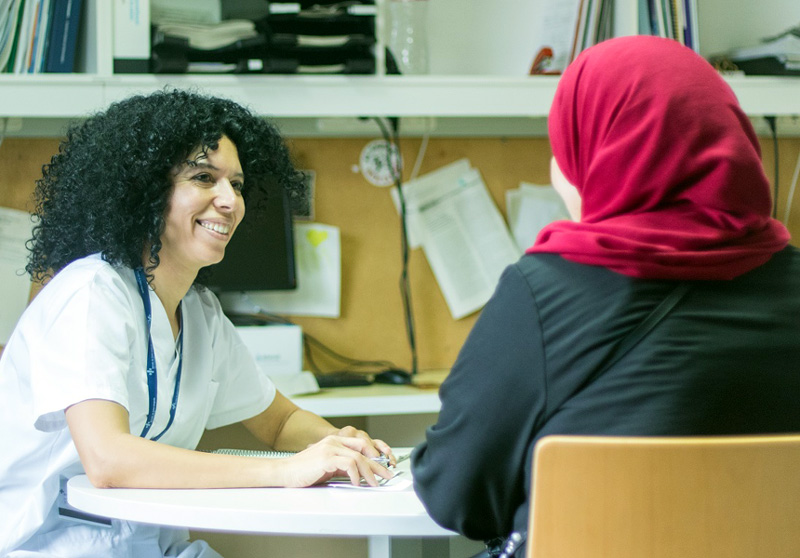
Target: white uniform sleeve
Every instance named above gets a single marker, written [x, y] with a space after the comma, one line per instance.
[79, 346]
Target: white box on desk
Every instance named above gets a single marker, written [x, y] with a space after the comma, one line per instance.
[278, 351]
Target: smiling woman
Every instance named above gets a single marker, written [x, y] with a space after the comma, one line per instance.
[123, 359]
[205, 208]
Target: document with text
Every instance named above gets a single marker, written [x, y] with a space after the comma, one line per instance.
[462, 233]
[15, 230]
[530, 208]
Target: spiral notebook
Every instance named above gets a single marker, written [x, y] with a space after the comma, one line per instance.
[402, 454]
[254, 453]
[395, 483]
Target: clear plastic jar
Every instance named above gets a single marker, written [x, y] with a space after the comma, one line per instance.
[408, 35]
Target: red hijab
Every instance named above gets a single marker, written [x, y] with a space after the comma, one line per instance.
[667, 165]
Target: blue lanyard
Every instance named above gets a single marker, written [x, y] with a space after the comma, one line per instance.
[152, 375]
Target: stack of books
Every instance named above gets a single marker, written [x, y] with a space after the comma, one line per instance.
[673, 19]
[39, 35]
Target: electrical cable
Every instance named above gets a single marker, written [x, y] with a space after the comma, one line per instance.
[261, 317]
[792, 188]
[423, 147]
[405, 286]
[3, 130]
[771, 122]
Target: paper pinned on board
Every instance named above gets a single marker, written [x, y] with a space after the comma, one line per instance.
[15, 230]
[530, 207]
[319, 277]
[426, 188]
[463, 234]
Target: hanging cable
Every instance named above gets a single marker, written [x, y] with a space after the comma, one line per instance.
[3, 130]
[773, 126]
[792, 188]
[423, 147]
[261, 317]
[392, 141]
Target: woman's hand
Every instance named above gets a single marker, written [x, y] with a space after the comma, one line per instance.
[381, 448]
[345, 455]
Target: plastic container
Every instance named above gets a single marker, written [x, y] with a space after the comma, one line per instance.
[408, 35]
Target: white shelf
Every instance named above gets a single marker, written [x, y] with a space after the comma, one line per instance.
[50, 96]
[77, 95]
[330, 96]
[377, 399]
[477, 104]
[370, 402]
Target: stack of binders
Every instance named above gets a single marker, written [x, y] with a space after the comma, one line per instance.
[310, 37]
[231, 46]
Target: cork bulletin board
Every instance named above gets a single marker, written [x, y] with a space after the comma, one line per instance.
[371, 325]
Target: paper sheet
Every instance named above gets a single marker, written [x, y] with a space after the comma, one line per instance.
[425, 189]
[462, 233]
[555, 29]
[530, 207]
[15, 230]
[319, 277]
[396, 484]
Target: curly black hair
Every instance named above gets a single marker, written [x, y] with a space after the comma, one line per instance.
[107, 188]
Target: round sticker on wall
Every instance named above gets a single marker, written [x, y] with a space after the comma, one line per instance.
[374, 162]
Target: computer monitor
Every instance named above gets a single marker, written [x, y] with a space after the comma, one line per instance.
[260, 256]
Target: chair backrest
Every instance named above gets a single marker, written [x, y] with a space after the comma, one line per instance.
[686, 497]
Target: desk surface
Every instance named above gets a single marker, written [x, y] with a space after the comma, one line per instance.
[286, 511]
[377, 399]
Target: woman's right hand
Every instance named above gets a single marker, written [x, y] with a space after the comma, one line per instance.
[333, 456]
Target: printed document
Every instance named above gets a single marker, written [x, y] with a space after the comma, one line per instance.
[462, 233]
[15, 230]
[530, 207]
[426, 188]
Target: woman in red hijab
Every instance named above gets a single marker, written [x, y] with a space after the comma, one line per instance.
[661, 171]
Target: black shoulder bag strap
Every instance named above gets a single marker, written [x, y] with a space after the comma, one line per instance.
[645, 326]
[509, 547]
[633, 337]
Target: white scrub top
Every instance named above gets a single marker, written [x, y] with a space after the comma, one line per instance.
[84, 337]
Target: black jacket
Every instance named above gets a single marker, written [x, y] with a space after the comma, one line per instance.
[726, 360]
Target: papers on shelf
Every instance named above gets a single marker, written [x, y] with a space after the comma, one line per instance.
[566, 28]
[452, 216]
[785, 48]
[556, 30]
[530, 207]
[213, 35]
[319, 277]
[15, 230]
[185, 11]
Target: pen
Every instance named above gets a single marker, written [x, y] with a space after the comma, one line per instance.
[382, 459]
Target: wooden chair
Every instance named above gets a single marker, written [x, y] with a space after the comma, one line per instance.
[692, 497]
